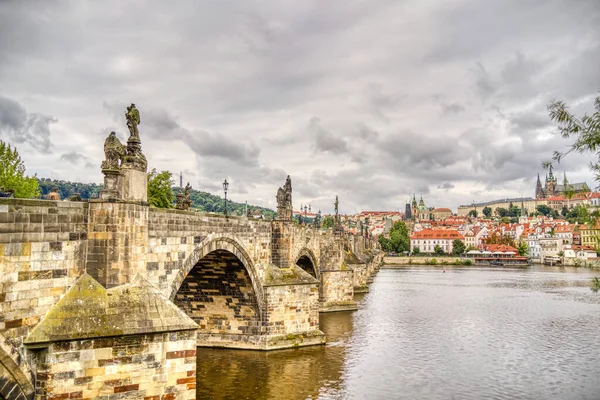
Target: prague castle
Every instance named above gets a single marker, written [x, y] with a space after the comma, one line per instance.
[551, 188]
[552, 194]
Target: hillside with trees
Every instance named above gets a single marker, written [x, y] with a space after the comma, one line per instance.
[202, 201]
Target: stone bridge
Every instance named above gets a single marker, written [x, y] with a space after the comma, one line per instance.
[109, 298]
[233, 282]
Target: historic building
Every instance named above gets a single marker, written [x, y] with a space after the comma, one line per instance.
[419, 210]
[552, 188]
[427, 239]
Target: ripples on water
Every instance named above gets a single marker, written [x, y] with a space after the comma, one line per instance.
[424, 334]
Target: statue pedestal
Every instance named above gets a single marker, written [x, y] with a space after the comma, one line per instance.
[135, 184]
[112, 184]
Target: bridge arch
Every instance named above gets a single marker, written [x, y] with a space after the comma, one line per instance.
[219, 288]
[308, 262]
[13, 382]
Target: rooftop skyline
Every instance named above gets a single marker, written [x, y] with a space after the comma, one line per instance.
[369, 101]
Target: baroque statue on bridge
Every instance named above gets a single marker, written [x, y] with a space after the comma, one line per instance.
[134, 157]
[132, 115]
[113, 152]
[284, 201]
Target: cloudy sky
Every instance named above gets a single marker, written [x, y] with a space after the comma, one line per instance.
[369, 100]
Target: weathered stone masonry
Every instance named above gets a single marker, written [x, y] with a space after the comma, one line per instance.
[46, 245]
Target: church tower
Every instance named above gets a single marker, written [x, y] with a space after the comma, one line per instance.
[550, 184]
[415, 210]
[539, 193]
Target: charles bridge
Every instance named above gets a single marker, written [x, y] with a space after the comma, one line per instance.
[110, 298]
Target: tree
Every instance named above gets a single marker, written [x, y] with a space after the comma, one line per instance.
[12, 174]
[473, 213]
[458, 247]
[586, 132]
[438, 250]
[565, 211]
[416, 250]
[543, 209]
[513, 211]
[160, 193]
[501, 212]
[523, 248]
[385, 243]
[399, 237]
[487, 211]
[328, 222]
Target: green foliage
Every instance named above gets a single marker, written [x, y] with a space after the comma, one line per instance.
[501, 212]
[595, 284]
[497, 239]
[385, 243]
[207, 202]
[487, 211]
[473, 213]
[160, 193]
[513, 211]
[458, 247]
[416, 250]
[543, 209]
[586, 132]
[438, 250]
[66, 189]
[328, 221]
[523, 248]
[399, 237]
[12, 174]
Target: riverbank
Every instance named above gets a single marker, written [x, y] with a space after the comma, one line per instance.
[389, 262]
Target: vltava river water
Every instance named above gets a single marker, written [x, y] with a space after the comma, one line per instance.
[421, 333]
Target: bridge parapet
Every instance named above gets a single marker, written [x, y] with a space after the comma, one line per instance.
[42, 251]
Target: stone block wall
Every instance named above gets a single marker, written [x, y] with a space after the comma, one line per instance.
[337, 290]
[151, 366]
[174, 235]
[117, 241]
[42, 252]
[292, 309]
[360, 274]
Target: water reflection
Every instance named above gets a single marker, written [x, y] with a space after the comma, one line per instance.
[421, 333]
[304, 373]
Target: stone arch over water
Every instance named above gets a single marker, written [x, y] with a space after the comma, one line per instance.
[307, 261]
[13, 382]
[220, 291]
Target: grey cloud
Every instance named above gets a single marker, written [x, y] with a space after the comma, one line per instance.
[208, 144]
[484, 85]
[236, 103]
[325, 141]
[23, 127]
[452, 108]
[74, 157]
[446, 185]
[365, 132]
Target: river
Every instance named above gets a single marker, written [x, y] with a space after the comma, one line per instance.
[422, 333]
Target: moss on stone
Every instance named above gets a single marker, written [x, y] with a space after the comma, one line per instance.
[288, 276]
[88, 310]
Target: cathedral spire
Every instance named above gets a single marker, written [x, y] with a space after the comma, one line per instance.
[539, 193]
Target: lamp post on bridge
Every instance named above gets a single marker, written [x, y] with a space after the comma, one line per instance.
[225, 187]
[305, 210]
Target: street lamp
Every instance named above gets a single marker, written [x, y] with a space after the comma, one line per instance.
[225, 187]
[305, 210]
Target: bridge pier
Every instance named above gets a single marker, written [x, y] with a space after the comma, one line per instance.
[128, 340]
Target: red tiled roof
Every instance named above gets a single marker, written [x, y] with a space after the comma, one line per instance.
[437, 234]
